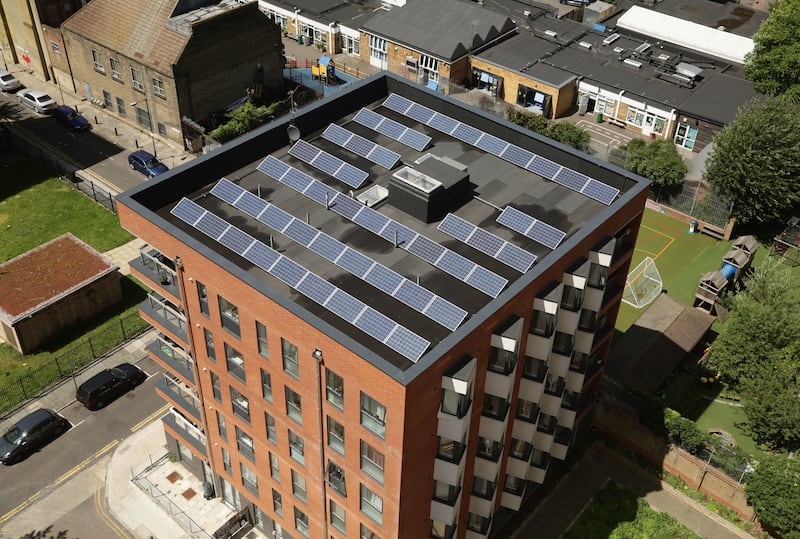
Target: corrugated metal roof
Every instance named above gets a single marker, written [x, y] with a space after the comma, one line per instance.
[686, 34]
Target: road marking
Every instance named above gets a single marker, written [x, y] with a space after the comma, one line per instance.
[112, 523]
[149, 418]
[83, 464]
[20, 507]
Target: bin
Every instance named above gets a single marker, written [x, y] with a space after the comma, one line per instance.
[300, 39]
[693, 227]
[599, 117]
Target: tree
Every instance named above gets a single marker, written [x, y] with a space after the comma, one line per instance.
[658, 161]
[240, 121]
[774, 490]
[534, 122]
[774, 63]
[772, 405]
[684, 432]
[569, 134]
[755, 161]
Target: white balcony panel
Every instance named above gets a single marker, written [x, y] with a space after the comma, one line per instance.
[543, 442]
[530, 390]
[445, 513]
[486, 469]
[593, 298]
[566, 418]
[550, 404]
[558, 365]
[575, 381]
[504, 343]
[603, 259]
[516, 467]
[461, 380]
[538, 346]
[448, 472]
[550, 307]
[453, 427]
[584, 341]
[536, 475]
[559, 451]
[498, 384]
[567, 321]
[575, 281]
[522, 430]
[512, 501]
[481, 506]
[491, 428]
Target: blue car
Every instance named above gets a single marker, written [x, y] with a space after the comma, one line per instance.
[146, 163]
[71, 118]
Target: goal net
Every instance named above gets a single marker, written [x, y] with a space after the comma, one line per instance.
[643, 284]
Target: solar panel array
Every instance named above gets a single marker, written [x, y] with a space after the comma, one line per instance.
[329, 164]
[361, 146]
[384, 279]
[536, 230]
[486, 242]
[440, 257]
[509, 152]
[373, 323]
[394, 130]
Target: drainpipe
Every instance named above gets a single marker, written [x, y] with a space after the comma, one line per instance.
[318, 357]
[668, 127]
[619, 102]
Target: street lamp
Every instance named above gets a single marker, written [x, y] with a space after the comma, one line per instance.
[150, 122]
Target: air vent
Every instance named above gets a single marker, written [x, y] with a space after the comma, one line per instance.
[619, 50]
[610, 39]
[663, 57]
[643, 47]
[550, 33]
[632, 63]
[585, 44]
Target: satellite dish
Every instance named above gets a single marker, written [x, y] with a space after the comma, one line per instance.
[293, 132]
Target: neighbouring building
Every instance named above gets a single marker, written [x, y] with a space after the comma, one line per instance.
[157, 63]
[385, 317]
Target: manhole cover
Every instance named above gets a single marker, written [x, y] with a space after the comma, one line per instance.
[188, 493]
[174, 476]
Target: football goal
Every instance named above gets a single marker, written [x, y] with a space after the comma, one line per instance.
[643, 284]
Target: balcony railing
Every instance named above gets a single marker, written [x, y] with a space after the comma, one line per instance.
[188, 431]
[173, 356]
[174, 391]
[166, 313]
[158, 268]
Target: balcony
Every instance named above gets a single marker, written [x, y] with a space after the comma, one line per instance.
[173, 357]
[189, 432]
[180, 396]
[157, 270]
[165, 315]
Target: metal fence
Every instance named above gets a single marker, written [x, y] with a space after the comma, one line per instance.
[68, 363]
[727, 460]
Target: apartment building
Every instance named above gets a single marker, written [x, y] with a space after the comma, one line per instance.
[386, 317]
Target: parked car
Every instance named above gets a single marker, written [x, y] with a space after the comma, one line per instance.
[109, 384]
[146, 163]
[71, 118]
[8, 81]
[30, 434]
[36, 99]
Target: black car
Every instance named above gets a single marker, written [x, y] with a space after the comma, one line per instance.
[71, 118]
[31, 433]
[107, 385]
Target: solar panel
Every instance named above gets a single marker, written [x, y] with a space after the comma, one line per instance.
[397, 233]
[262, 256]
[304, 151]
[572, 179]
[600, 191]
[516, 257]
[301, 232]
[517, 156]
[375, 324]
[407, 343]
[319, 192]
[227, 191]
[426, 249]
[368, 118]
[493, 145]
[414, 139]
[372, 220]
[486, 242]
[211, 225]
[534, 229]
[327, 163]
[327, 247]
[420, 113]
[355, 262]
[187, 211]
[453, 225]
[467, 133]
[336, 134]
[456, 265]
[296, 180]
[384, 157]
[361, 146]
[316, 288]
[342, 304]
[383, 278]
[546, 235]
[251, 204]
[274, 168]
[346, 206]
[392, 129]
[487, 282]
[413, 295]
[236, 240]
[443, 123]
[397, 103]
[274, 218]
[288, 271]
[352, 176]
[543, 167]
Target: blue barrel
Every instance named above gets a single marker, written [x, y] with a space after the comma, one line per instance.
[728, 270]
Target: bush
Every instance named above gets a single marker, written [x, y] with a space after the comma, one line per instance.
[684, 432]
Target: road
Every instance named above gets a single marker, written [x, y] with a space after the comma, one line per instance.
[62, 485]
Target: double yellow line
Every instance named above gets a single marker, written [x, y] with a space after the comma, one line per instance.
[150, 418]
[100, 508]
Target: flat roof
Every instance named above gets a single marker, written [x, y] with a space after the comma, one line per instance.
[494, 184]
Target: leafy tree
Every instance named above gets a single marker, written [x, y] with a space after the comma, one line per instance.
[755, 161]
[658, 161]
[569, 134]
[240, 121]
[772, 405]
[774, 63]
[683, 432]
[774, 491]
[534, 122]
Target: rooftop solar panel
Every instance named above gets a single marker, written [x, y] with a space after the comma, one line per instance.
[336, 134]
[316, 288]
[327, 247]
[517, 156]
[407, 343]
[529, 226]
[274, 218]
[375, 324]
[392, 129]
[368, 118]
[346, 206]
[420, 113]
[414, 139]
[361, 146]
[572, 179]
[397, 103]
[493, 145]
[212, 225]
[236, 240]
[262, 256]
[426, 249]
[288, 271]
[600, 191]
[410, 294]
[487, 282]
[544, 167]
[355, 262]
[274, 168]
[467, 133]
[516, 257]
[443, 123]
[327, 163]
[187, 211]
[304, 151]
[342, 304]
[546, 235]
[487, 243]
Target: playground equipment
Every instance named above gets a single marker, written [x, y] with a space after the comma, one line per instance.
[787, 243]
[735, 265]
[325, 70]
[643, 284]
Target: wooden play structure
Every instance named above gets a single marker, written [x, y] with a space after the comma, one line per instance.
[734, 266]
[324, 70]
[787, 243]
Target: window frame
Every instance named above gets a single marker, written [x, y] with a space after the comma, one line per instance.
[373, 462]
[97, 61]
[229, 316]
[294, 405]
[372, 410]
[240, 404]
[291, 360]
[262, 340]
[158, 88]
[245, 440]
[249, 478]
[297, 448]
[374, 510]
[116, 69]
[299, 486]
[137, 79]
[339, 445]
[334, 389]
[234, 363]
[266, 385]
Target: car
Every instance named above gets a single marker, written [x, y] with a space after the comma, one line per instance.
[146, 163]
[71, 118]
[109, 384]
[38, 100]
[30, 434]
[8, 81]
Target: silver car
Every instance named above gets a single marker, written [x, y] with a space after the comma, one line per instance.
[8, 81]
[36, 99]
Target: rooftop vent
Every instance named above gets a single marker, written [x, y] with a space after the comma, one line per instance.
[643, 47]
[610, 39]
[618, 50]
[632, 63]
[550, 33]
[585, 45]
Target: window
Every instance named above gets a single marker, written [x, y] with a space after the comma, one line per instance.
[335, 388]
[137, 81]
[226, 461]
[277, 502]
[514, 485]
[429, 68]
[261, 335]
[107, 101]
[235, 362]
[202, 296]
[221, 426]
[527, 410]
[502, 361]
[290, 364]
[215, 387]
[440, 530]
[266, 385]
[570, 399]
[371, 505]
[450, 450]
[270, 422]
[373, 415]
[336, 478]
[547, 423]
[562, 435]
[338, 517]
[562, 344]
[372, 461]
[162, 129]
[519, 449]
[294, 408]
[489, 449]
[494, 406]
[296, 450]
[158, 88]
[597, 276]
[249, 479]
[377, 51]
[483, 487]
[455, 403]
[209, 338]
[587, 320]
[121, 107]
[143, 117]
[240, 404]
[229, 316]
[534, 369]
[540, 459]
[335, 435]
[97, 60]
[543, 324]
[301, 522]
[554, 385]
[478, 523]
[366, 533]
[578, 362]
[571, 298]
[274, 467]
[298, 486]
[116, 69]
[245, 444]
[55, 47]
[445, 492]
